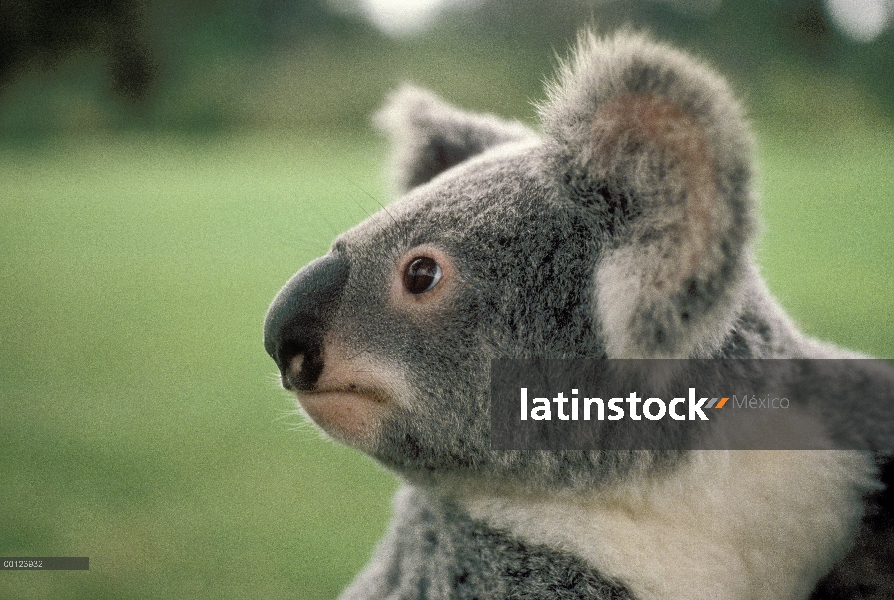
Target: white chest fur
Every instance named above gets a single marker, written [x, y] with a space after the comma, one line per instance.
[727, 525]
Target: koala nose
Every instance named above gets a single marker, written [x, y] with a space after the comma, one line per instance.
[299, 317]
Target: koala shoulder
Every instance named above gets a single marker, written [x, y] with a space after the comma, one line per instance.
[435, 550]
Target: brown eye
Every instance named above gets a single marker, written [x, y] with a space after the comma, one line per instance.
[421, 275]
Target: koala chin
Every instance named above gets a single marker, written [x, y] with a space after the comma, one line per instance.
[621, 228]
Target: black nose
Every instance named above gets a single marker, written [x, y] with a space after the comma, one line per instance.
[299, 318]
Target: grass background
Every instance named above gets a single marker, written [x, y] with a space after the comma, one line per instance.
[142, 424]
[140, 420]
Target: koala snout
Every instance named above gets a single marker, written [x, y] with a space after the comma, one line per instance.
[299, 318]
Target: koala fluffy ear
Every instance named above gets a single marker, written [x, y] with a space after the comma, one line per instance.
[428, 135]
[656, 143]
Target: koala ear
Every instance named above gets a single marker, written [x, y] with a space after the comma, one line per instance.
[656, 144]
[429, 136]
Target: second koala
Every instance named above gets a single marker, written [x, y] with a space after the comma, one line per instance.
[622, 230]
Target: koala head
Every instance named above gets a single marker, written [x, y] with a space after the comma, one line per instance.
[620, 230]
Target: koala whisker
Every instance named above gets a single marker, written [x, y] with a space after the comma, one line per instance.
[332, 227]
[370, 196]
[286, 414]
[275, 379]
[303, 424]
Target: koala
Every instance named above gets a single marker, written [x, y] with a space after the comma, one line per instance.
[622, 228]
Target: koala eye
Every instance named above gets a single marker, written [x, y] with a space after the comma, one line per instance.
[421, 275]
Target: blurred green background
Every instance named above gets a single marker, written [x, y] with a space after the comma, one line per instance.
[165, 168]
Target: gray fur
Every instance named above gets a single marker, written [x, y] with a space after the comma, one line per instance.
[436, 551]
[623, 230]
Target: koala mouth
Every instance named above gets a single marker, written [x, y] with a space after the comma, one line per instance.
[370, 394]
[309, 373]
[349, 413]
[347, 395]
[298, 380]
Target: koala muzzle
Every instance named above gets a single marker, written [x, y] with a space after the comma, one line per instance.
[299, 318]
